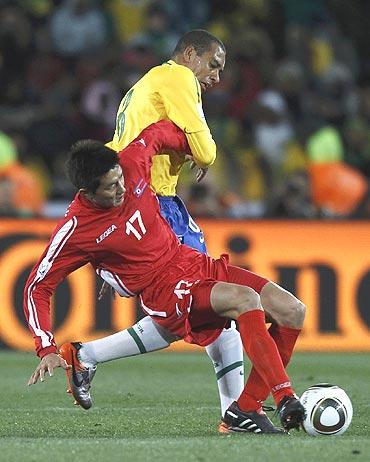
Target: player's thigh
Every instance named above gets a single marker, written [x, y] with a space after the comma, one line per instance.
[245, 277]
[231, 300]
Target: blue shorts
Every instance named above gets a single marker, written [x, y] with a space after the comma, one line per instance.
[175, 213]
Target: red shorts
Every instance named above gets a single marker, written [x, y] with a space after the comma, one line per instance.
[179, 300]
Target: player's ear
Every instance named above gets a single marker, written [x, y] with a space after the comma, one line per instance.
[189, 54]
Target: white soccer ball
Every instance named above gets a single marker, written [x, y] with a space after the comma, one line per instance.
[329, 410]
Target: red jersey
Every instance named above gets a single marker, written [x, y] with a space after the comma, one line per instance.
[127, 245]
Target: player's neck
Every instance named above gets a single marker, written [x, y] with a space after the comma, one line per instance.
[178, 59]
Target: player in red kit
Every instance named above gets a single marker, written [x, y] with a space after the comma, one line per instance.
[114, 223]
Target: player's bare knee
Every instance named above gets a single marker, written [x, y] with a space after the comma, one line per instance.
[300, 313]
[295, 314]
[282, 306]
[232, 300]
[245, 299]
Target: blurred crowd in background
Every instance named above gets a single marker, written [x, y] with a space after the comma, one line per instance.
[291, 115]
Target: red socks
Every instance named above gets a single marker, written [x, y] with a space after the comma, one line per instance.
[285, 339]
[264, 354]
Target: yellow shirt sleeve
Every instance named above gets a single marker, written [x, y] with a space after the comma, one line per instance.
[202, 147]
[181, 96]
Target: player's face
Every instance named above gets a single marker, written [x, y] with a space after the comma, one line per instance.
[111, 190]
[208, 66]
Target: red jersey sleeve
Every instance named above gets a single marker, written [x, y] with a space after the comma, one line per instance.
[58, 260]
[161, 136]
[165, 135]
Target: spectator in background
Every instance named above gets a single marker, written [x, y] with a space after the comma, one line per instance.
[335, 98]
[187, 14]
[99, 102]
[357, 145]
[337, 189]
[291, 83]
[78, 27]
[252, 60]
[15, 47]
[253, 187]
[203, 201]
[20, 191]
[364, 101]
[329, 47]
[158, 36]
[293, 198]
[324, 144]
[272, 131]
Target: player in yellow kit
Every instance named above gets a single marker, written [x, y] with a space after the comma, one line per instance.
[173, 91]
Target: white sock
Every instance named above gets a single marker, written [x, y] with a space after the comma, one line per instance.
[142, 337]
[226, 353]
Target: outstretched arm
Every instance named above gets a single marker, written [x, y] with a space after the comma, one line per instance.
[59, 259]
[155, 139]
[163, 136]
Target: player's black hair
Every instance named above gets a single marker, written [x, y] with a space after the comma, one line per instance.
[200, 39]
[88, 161]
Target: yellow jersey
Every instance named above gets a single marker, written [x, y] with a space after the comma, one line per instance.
[167, 92]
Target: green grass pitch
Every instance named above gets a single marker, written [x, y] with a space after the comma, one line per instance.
[164, 407]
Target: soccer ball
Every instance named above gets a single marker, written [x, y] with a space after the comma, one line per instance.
[328, 408]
